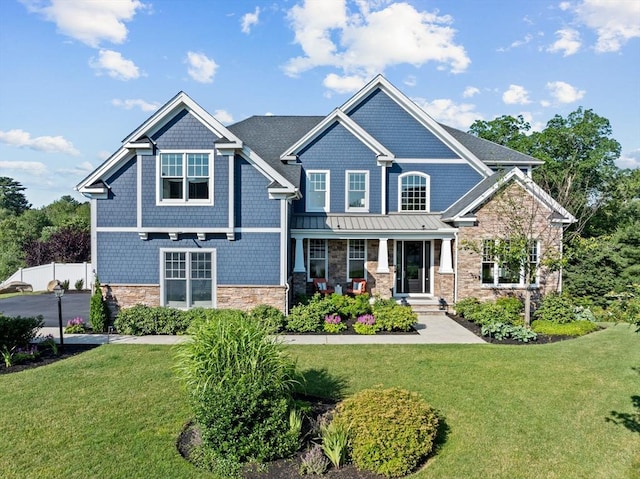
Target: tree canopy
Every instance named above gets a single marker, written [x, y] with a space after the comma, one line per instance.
[12, 197]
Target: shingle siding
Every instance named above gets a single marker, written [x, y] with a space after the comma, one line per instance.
[253, 207]
[120, 208]
[184, 131]
[253, 259]
[396, 129]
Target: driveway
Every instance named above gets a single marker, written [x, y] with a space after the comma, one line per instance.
[73, 305]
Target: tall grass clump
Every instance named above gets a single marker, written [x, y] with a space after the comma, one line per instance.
[239, 382]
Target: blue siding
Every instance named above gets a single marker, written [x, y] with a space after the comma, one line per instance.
[254, 258]
[338, 150]
[184, 131]
[120, 208]
[396, 129]
[185, 216]
[448, 183]
[253, 207]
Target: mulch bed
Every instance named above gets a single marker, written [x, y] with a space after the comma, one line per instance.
[477, 330]
[46, 356]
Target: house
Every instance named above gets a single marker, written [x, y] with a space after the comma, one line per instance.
[189, 212]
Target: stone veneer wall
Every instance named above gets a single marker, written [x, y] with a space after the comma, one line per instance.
[236, 297]
[492, 222]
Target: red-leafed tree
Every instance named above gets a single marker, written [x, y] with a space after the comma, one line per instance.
[67, 245]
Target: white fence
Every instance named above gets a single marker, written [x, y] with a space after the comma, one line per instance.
[39, 276]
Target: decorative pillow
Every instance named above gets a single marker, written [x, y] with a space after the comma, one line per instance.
[357, 285]
[322, 286]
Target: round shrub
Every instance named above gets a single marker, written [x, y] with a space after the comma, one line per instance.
[239, 383]
[140, 320]
[557, 308]
[309, 318]
[394, 317]
[269, 315]
[390, 430]
[467, 306]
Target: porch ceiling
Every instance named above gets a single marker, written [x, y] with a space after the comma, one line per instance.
[391, 223]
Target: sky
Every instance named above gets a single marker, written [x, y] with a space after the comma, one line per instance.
[79, 75]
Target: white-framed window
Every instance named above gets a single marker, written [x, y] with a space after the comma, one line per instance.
[495, 273]
[187, 278]
[414, 192]
[185, 177]
[357, 191]
[317, 190]
[356, 258]
[316, 258]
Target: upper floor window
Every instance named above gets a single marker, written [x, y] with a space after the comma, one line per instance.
[185, 177]
[317, 190]
[357, 191]
[414, 192]
[495, 272]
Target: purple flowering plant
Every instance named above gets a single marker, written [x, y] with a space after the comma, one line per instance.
[333, 324]
[76, 326]
[366, 324]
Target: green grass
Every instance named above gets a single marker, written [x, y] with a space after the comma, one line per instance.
[563, 410]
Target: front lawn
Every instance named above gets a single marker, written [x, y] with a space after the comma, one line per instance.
[562, 410]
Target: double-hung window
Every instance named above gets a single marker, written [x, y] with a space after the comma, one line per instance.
[495, 272]
[356, 258]
[187, 278]
[317, 191]
[357, 191]
[185, 177]
[414, 192]
[317, 257]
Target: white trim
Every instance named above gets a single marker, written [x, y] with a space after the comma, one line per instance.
[383, 255]
[250, 229]
[185, 230]
[231, 186]
[188, 251]
[522, 283]
[94, 233]
[299, 265]
[284, 242]
[356, 209]
[446, 265]
[383, 189]
[434, 161]
[139, 191]
[327, 192]
[428, 191]
[185, 165]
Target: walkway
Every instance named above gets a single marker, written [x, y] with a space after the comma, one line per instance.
[434, 328]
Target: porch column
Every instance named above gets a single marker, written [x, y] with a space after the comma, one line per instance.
[383, 256]
[446, 265]
[299, 266]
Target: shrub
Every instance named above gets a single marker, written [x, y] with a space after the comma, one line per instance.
[18, 331]
[75, 326]
[140, 320]
[356, 306]
[270, 315]
[511, 306]
[583, 313]
[390, 430]
[98, 315]
[490, 312]
[333, 324]
[313, 462]
[574, 328]
[466, 307]
[557, 308]
[65, 284]
[308, 318]
[79, 284]
[365, 324]
[501, 331]
[239, 382]
[394, 317]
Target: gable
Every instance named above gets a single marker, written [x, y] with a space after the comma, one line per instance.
[184, 131]
[395, 128]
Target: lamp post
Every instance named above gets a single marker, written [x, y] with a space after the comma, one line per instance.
[59, 292]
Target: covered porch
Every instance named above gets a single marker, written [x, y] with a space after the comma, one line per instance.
[400, 255]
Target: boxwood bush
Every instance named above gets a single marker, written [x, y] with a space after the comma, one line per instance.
[140, 320]
[467, 306]
[390, 430]
[557, 308]
[18, 331]
[391, 316]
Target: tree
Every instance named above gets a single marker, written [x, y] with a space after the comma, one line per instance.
[505, 130]
[67, 245]
[68, 212]
[12, 197]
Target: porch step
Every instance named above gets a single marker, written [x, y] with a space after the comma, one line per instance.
[423, 305]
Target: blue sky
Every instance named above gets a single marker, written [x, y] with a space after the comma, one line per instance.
[80, 75]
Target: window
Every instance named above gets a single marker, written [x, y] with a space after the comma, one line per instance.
[496, 273]
[188, 278]
[414, 192]
[185, 178]
[357, 193]
[317, 256]
[356, 258]
[317, 191]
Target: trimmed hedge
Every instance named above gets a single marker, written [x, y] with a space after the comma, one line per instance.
[18, 331]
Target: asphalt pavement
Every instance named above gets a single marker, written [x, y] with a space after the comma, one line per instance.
[74, 305]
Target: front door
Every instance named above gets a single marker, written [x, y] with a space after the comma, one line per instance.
[413, 261]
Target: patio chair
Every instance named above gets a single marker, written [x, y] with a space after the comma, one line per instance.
[322, 286]
[356, 286]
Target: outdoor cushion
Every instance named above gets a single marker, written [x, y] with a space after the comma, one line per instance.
[322, 286]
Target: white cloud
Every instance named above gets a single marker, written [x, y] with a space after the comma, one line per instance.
[131, 103]
[201, 68]
[49, 144]
[614, 21]
[627, 160]
[88, 21]
[470, 92]
[563, 92]
[115, 65]
[33, 167]
[366, 41]
[568, 42]
[223, 116]
[446, 111]
[344, 84]
[250, 19]
[516, 94]
[411, 80]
